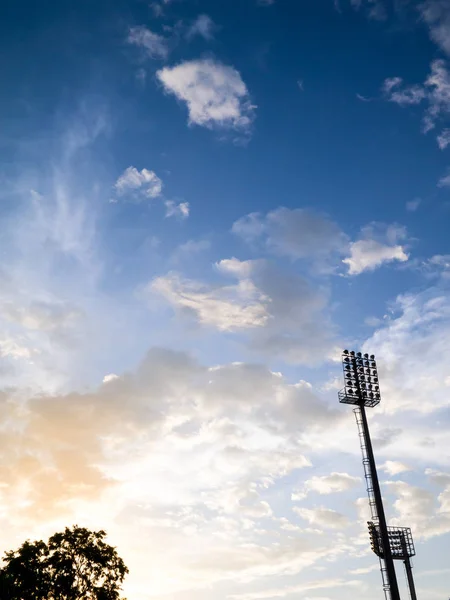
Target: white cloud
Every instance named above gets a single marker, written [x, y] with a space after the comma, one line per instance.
[443, 139]
[297, 233]
[413, 205]
[13, 348]
[392, 467]
[285, 316]
[322, 517]
[367, 255]
[412, 346]
[43, 316]
[444, 181]
[180, 210]
[374, 9]
[154, 45]
[145, 182]
[370, 253]
[295, 590]
[227, 308]
[183, 453]
[403, 96]
[327, 484]
[438, 477]
[418, 507]
[436, 15]
[110, 377]
[203, 26]
[435, 91]
[215, 95]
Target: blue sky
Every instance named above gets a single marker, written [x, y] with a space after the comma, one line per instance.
[202, 203]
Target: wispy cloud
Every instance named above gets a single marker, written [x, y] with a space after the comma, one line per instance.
[434, 92]
[202, 26]
[413, 205]
[153, 44]
[436, 14]
[374, 9]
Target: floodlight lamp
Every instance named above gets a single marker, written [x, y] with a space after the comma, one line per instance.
[352, 353]
[345, 352]
[359, 355]
[372, 356]
[366, 355]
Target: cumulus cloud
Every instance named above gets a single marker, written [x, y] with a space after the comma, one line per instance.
[180, 210]
[418, 507]
[227, 308]
[183, 452]
[153, 44]
[215, 94]
[322, 517]
[393, 467]
[142, 183]
[370, 253]
[298, 233]
[280, 313]
[327, 484]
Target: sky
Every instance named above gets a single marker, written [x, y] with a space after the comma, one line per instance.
[202, 203]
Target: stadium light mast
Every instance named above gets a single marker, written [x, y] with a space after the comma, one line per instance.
[362, 390]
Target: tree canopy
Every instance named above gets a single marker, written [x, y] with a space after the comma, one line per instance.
[76, 564]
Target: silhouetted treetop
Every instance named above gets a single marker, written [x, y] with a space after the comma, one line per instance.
[76, 564]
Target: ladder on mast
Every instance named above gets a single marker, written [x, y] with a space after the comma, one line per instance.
[371, 495]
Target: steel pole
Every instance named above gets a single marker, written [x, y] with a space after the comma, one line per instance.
[387, 555]
[408, 569]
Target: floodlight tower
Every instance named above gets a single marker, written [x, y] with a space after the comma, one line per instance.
[402, 548]
[361, 390]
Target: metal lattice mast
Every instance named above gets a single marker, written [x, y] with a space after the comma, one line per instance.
[362, 390]
[372, 500]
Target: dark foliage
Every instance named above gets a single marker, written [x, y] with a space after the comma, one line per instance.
[74, 565]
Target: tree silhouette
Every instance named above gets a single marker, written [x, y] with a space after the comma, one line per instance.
[74, 565]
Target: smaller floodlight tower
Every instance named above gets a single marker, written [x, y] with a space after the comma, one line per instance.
[402, 548]
[362, 390]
